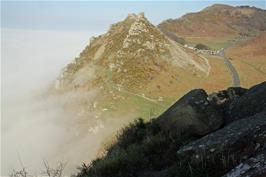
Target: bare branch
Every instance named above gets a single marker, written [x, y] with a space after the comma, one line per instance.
[54, 172]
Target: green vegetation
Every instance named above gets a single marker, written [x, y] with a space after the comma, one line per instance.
[141, 149]
[145, 150]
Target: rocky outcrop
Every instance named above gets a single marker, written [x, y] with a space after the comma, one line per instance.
[250, 103]
[223, 99]
[133, 46]
[193, 113]
[226, 96]
[200, 114]
[234, 142]
[253, 167]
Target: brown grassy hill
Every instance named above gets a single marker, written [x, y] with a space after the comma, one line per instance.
[136, 69]
[217, 26]
[249, 58]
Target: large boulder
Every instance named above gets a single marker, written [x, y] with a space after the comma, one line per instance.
[250, 103]
[229, 95]
[192, 113]
[234, 142]
[253, 167]
[223, 99]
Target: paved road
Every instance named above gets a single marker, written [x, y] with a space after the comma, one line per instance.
[234, 74]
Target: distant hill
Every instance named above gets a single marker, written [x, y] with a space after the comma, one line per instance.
[217, 26]
[249, 58]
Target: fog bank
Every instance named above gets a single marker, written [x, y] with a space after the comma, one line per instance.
[34, 128]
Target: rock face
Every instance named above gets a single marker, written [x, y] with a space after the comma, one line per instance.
[194, 113]
[253, 167]
[242, 115]
[252, 102]
[226, 96]
[200, 114]
[240, 139]
[223, 99]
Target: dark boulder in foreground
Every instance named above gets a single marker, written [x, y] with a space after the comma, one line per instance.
[193, 113]
[253, 167]
[234, 142]
[199, 113]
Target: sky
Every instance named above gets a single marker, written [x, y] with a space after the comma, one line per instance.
[96, 16]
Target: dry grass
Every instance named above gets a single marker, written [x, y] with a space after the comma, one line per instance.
[249, 58]
[219, 77]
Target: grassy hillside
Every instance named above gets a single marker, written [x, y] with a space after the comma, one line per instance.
[217, 26]
[249, 58]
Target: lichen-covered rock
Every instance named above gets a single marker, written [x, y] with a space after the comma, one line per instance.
[253, 167]
[234, 142]
[228, 95]
[224, 98]
[193, 113]
[252, 102]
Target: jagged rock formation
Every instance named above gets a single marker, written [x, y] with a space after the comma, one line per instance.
[132, 53]
[230, 149]
[254, 99]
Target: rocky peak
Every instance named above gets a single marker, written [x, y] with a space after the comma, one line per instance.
[136, 16]
[133, 51]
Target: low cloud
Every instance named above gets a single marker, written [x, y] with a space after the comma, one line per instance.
[37, 127]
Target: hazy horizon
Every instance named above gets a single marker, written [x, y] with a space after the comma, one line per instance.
[87, 16]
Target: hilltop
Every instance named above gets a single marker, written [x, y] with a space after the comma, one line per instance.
[249, 59]
[217, 26]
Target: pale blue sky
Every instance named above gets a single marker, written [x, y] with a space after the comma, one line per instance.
[96, 16]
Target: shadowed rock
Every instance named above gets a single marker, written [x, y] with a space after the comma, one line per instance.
[252, 102]
[193, 113]
[228, 95]
[224, 98]
[253, 167]
[234, 142]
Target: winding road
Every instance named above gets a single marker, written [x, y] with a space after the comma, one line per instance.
[231, 68]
